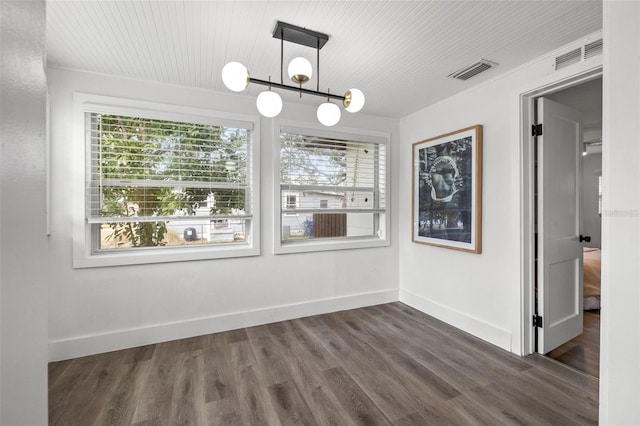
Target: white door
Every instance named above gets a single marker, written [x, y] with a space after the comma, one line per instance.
[559, 225]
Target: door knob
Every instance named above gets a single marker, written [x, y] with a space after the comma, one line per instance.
[585, 238]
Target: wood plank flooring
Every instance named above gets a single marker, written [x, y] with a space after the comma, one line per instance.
[381, 365]
[583, 352]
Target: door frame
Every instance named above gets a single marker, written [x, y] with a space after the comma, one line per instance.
[527, 188]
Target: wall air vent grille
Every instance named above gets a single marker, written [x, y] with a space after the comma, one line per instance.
[582, 53]
[569, 58]
[593, 49]
[472, 70]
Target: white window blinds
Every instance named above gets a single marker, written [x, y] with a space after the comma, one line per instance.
[348, 175]
[147, 170]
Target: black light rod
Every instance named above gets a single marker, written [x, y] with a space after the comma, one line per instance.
[295, 89]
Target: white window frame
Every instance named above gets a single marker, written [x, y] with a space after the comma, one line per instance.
[311, 245]
[84, 254]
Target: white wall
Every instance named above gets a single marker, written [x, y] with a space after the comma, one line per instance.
[620, 327]
[479, 293]
[23, 247]
[99, 309]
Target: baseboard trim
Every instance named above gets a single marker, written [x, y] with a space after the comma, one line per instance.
[477, 327]
[123, 339]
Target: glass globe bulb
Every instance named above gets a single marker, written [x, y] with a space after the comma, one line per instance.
[328, 114]
[355, 101]
[235, 76]
[269, 103]
[300, 70]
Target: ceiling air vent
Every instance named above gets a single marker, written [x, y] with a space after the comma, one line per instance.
[579, 54]
[593, 49]
[569, 58]
[472, 70]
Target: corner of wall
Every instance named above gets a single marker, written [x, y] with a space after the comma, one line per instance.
[475, 326]
[121, 339]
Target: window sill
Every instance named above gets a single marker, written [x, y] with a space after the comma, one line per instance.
[162, 255]
[307, 246]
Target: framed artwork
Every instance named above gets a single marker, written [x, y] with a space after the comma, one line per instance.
[447, 190]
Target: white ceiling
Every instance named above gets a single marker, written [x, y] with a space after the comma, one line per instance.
[398, 53]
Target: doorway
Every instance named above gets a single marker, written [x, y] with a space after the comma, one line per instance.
[527, 106]
[583, 92]
[583, 351]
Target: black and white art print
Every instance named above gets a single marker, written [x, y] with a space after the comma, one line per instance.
[447, 190]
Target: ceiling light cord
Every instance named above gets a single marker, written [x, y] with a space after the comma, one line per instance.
[318, 65]
[281, 55]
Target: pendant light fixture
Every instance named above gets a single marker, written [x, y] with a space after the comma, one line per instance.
[328, 113]
[236, 77]
[269, 103]
[300, 70]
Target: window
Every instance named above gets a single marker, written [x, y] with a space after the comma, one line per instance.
[339, 181]
[174, 188]
[292, 201]
[600, 195]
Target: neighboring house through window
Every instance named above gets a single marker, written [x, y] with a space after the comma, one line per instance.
[339, 181]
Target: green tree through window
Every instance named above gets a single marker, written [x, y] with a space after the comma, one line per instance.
[145, 172]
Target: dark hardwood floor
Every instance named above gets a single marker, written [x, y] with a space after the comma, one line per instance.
[583, 352]
[386, 364]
